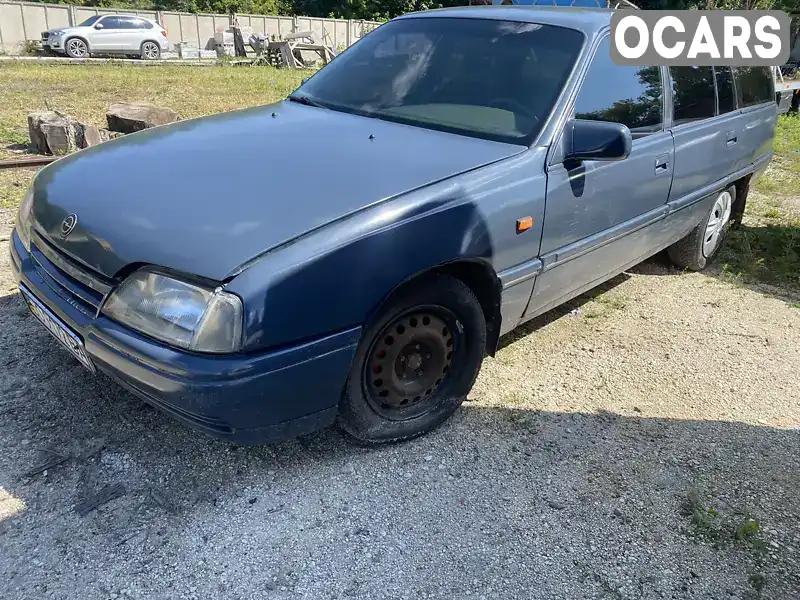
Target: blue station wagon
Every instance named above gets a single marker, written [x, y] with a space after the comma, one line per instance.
[463, 171]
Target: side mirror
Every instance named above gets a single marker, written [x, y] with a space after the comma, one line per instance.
[98, 26]
[302, 81]
[597, 140]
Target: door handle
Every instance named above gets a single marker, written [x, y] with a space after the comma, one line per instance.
[662, 164]
[731, 138]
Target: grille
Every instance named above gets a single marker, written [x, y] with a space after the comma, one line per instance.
[82, 288]
[44, 35]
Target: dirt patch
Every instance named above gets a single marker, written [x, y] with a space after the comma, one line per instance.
[612, 449]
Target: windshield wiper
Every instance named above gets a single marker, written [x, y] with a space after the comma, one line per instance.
[305, 100]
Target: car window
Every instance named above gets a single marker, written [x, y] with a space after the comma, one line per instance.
[632, 96]
[754, 85]
[726, 100]
[90, 21]
[130, 23]
[111, 23]
[491, 79]
[692, 94]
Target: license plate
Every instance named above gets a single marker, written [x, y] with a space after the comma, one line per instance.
[59, 330]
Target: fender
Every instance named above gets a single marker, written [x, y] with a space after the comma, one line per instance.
[336, 277]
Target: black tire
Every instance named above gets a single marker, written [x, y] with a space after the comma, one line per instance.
[448, 305]
[76, 48]
[693, 252]
[150, 51]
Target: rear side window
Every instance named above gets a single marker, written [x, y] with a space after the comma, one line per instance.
[726, 100]
[692, 94]
[111, 23]
[139, 23]
[754, 85]
[628, 95]
[130, 23]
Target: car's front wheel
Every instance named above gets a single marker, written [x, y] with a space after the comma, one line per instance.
[696, 250]
[416, 362]
[77, 48]
[150, 51]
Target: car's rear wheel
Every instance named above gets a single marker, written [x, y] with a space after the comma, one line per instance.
[695, 251]
[416, 362]
[150, 51]
[77, 48]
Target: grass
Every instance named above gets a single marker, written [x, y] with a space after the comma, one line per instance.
[783, 175]
[13, 183]
[741, 530]
[766, 248]
[711, 525]
[85, 91]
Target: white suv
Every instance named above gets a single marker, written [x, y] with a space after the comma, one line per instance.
[109, 34]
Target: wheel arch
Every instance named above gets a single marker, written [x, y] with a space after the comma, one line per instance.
[480, 277]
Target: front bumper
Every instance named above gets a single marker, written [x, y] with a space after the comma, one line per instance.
[248, 398]
[54, 43]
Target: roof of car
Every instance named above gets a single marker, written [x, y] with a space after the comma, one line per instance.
[585, 19]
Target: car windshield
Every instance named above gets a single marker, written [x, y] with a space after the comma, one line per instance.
[90, 21]
[490, 79]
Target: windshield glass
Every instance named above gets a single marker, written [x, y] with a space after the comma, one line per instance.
[485, 78]
[90, 21]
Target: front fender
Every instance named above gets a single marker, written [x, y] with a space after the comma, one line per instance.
[335, 277]
[317, 285]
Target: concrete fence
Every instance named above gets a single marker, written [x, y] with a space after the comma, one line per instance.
[25, 21]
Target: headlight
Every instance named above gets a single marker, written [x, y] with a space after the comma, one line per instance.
[23, 225]
[178, 313]
[56, 33]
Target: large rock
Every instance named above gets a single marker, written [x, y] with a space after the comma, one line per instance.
[127, 118]
[52, 132]
[92, 136]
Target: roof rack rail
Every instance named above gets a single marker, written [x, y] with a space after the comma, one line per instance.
[616, 4]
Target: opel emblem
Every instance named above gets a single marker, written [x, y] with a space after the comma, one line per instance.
[68, 224]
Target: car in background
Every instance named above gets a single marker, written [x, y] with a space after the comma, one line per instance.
[109, 34]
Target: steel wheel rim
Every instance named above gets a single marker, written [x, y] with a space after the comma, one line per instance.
[720, 215]
[150, 50]
[77, 47]
[410, 361]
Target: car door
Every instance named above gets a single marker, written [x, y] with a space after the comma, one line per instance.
[599, 215]
[106, 35]
[755, 91]
[707, 140]
[131, 34]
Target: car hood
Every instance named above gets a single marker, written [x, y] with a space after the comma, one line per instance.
[204, 196]
[74, 29]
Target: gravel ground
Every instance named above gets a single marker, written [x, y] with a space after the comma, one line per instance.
[616, 451]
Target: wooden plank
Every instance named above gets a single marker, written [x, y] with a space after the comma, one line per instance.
[27, 161]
